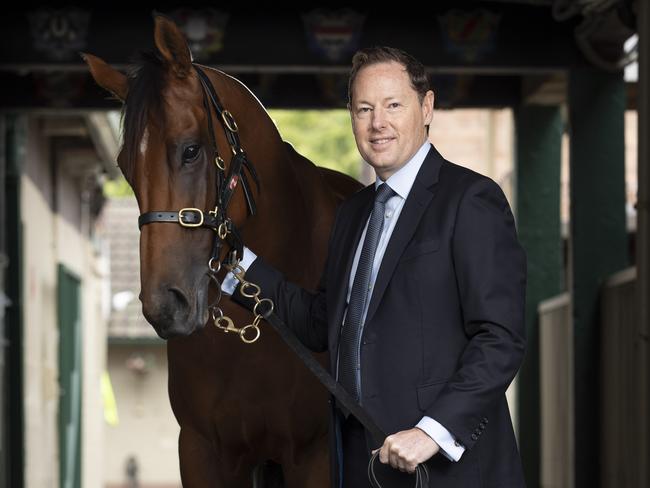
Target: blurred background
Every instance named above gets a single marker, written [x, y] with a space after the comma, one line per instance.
[547, 97]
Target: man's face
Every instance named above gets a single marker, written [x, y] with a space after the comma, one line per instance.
[388, 119]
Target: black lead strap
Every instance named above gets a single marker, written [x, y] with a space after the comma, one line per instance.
[334, 387]
[341, 395]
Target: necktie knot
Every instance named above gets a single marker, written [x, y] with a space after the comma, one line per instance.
[383, 193]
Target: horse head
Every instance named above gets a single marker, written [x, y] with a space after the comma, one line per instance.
[177, 154]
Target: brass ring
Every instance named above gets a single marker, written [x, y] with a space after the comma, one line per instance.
[222, 232]
[211, 263]
[229, 120]
[242, 333]
[268, 312]
[214, 317]
[247, 285]
[219, 160]
[217, 286]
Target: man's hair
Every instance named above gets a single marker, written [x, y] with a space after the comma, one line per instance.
[382, 54]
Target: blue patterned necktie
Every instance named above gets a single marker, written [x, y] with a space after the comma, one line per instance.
[349, 347]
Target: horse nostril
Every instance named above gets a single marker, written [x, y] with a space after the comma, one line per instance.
[179, 297]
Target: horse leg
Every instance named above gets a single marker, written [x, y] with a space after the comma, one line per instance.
[309, 468]
[202, 467]
[197, 460]
[268, 475]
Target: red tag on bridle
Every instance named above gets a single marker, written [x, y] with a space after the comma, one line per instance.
[233, 182]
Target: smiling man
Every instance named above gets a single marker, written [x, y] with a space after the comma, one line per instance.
[421, 304]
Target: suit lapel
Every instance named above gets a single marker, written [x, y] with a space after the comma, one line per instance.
[422, 191]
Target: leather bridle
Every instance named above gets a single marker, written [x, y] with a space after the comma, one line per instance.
[216, 219]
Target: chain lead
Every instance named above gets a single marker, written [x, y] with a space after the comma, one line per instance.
[263, 306]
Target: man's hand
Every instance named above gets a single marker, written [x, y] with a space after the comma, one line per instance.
[406, 449]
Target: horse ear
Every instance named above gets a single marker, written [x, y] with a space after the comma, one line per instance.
[107, 77]
[171, 43]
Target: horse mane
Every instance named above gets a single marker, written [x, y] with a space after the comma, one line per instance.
[146, 80]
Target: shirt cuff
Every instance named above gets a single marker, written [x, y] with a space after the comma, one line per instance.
[230, 282]
[449, 447]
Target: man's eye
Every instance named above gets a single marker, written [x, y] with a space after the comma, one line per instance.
[394, 105]
[363, 110]
[190, 153]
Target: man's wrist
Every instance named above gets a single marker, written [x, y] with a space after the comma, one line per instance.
[230, 282]
[449, 446]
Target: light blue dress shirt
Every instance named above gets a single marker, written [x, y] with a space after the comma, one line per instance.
[401, 182]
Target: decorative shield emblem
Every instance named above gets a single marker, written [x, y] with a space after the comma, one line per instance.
[469, 34]
[333, 34]
[60, 33]
[204, 29]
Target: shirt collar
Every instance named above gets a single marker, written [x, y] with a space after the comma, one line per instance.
[402, 180]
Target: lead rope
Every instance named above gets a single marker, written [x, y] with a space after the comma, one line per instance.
[263, 309]
[421, 474]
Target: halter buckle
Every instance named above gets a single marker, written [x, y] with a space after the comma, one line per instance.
[182, 212]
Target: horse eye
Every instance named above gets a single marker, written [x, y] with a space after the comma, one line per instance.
[190, 153]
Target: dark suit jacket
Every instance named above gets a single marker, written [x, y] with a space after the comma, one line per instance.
[444, 333]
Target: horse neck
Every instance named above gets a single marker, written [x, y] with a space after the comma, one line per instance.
[293, 196]
[292, 200]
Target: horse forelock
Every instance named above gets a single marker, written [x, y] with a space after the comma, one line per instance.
[143, 103]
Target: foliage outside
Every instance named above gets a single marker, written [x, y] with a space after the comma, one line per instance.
[323, 136]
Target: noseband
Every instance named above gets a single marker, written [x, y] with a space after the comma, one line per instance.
[216, 219]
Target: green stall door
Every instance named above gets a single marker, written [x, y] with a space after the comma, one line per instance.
[69, 316]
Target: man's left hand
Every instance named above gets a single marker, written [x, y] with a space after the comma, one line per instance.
[406, 449]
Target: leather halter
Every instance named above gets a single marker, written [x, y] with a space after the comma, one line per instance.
[216, 219]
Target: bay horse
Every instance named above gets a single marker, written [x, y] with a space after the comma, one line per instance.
[238, 405]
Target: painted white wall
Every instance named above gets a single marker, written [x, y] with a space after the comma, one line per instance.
[40, 323]
[50, 239]
[147, 428]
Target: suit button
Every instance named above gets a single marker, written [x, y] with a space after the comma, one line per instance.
[474, 437]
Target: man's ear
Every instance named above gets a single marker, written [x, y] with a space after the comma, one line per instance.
[427, 107]
[106, 76]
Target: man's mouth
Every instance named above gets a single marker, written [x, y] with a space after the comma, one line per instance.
[381, 141]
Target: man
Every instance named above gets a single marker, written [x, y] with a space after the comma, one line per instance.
[421, 304]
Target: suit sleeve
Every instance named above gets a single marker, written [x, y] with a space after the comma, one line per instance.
[490, 268]
[304, 311]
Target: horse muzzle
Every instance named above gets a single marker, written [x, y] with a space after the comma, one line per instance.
[174, 312]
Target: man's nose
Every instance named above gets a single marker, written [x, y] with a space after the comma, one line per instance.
[378, 119]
